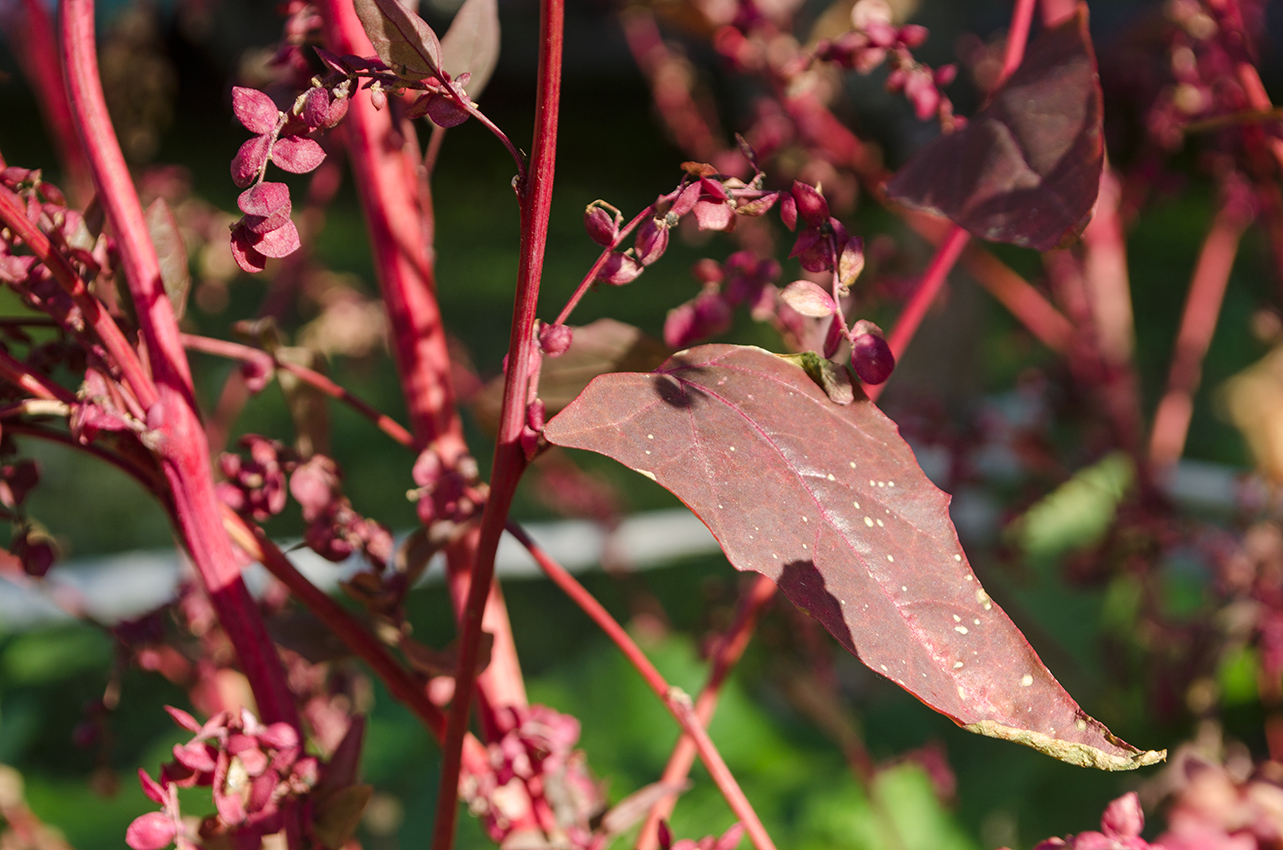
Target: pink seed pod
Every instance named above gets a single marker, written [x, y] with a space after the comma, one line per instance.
[871, 357]
[602, 227]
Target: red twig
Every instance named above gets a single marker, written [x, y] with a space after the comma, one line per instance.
[535, 196]
[314, 379]
[34, 383]
[725, 657]
[1198, 323]
[182, 449]
[677, 702]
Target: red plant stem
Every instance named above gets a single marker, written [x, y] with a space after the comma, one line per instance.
[32, 39]
[388, 177]
[1017, 37]
[509, 458]
[1198, 323]
[182, 449]
[387, 183]
[314, 379]
[590, 277]
[22, 376]
[1029, 306]
[678, 703]
[932, 281]
[104, 326]
[725, 657]
[336, 618]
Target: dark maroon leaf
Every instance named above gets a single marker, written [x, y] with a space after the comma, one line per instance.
[472, 44]
[444, 111]
[171, 252]
[830, 503]
[254, 110]
[296, 154]
[1026, 168]
[402, 39]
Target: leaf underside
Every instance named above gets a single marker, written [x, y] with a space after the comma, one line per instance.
[1026, 168]
[828, 501]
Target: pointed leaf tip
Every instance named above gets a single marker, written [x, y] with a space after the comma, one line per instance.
[829, 502]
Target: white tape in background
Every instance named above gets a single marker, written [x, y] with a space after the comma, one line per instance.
[118, 587]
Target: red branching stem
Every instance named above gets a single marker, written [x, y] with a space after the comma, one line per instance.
[314, 379]
[1017, 36]
[535, 195]
[1039, 316]
[725, 657]
[108, 332]
[32, 39]
[1198, 323]
[32, 382]
[182, 449]
[677, 702]
[928, 288]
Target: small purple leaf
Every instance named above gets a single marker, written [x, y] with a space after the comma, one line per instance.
[280, 242]
[266, 207]
[602, 227]
[619, 269]
[402, 39]
[152, 831]
[254, 110]
[652, 241]
[250, 160]
[247, 257]
[1026, 168]
[296, 154]
[471, 44]
[809, 299]
[871, 357]
[444, 111]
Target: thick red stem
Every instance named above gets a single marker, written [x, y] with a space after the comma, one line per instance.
[182, 449]
[535, 196]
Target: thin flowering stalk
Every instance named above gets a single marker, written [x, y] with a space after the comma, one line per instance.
[725, 657]
[535, 197]
[314, 379]
[1198, 323]
[590, 277]
[182, 449]
[677, 702]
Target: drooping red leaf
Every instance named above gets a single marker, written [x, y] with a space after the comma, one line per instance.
[280, 242]
[472, 44]
[828, 501]
[403, 40]
[1026, 168]
[250, 160]
[266, 206]
[808, 298]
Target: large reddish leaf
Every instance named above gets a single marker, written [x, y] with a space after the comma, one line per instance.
[828, 501]
[472, 44]
[1026, 169]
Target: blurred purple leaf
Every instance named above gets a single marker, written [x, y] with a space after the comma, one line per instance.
[471, 44]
